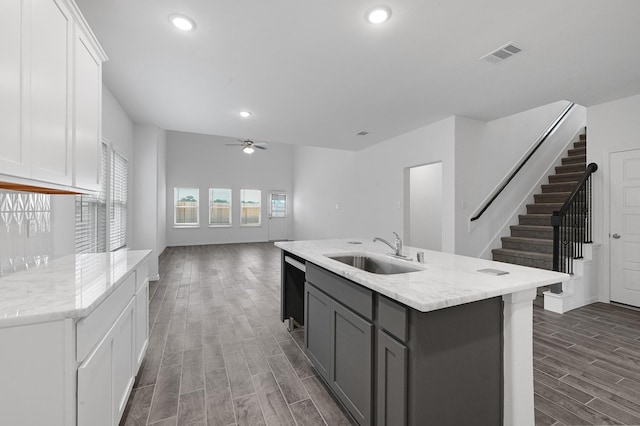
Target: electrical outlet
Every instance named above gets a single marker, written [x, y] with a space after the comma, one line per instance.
[337, 206]
[398, 205]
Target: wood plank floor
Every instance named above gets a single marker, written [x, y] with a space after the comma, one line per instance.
[218, 354]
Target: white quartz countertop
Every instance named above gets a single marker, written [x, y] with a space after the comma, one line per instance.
[67, 287]
[444, 279]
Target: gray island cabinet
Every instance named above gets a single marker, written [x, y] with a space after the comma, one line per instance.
[440, 367]
[442, 344]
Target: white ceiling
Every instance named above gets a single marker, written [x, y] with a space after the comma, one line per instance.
[315, 73]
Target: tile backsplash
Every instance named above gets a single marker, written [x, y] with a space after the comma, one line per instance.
[25, 230]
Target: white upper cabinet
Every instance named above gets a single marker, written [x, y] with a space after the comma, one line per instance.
[13, 156]
[51, 96]
[50, 32]
[88, 115]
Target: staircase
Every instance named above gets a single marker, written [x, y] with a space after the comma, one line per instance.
[531, 241]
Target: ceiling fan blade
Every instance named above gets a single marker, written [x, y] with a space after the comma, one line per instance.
[234, 144]
[259, 146]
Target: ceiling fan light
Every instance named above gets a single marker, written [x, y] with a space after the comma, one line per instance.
[245, 114]
[248, 150]
[378, 14]
[182, 22]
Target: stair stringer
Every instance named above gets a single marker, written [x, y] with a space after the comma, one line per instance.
[582, 288]
[573, 126]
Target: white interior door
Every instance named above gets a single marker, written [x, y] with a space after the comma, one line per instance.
[625, 227]
[278, 215]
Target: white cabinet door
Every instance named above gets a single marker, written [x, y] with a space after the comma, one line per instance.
[106, 377]
[95, 390]
[87, 119]
[142, 324]
[123, 360]
[13, 155]
[49, 138]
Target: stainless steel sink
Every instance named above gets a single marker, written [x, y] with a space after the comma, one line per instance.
[373, 265]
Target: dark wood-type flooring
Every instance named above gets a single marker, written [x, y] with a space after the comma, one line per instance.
[219, 355]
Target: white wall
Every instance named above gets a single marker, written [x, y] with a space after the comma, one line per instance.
[203, 161]
[149, 184]
[381, 177]
[368, 185]
[325, 200]
[161, 242]
[612, 127]
[487, 153]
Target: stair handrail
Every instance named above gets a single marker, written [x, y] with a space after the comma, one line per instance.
[568, 237]
[552, 128]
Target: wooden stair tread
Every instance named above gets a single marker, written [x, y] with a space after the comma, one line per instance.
[528, 240]
[527, 254]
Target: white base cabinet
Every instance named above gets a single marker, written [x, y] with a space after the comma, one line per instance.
[106, 377]
[70, 372]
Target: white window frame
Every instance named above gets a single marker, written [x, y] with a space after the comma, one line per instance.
[242, 207]
[195, 224]
[212, 207]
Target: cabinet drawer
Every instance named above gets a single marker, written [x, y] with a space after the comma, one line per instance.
[392, 316]
[142, 273]
[92, 329]
[356, 297]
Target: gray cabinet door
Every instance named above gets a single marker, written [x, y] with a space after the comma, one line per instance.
[351, 367]
[317, 334]
[391, 381]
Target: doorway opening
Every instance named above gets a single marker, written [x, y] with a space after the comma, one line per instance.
[423, 206]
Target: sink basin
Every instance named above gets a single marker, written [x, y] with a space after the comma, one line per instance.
[373, 265]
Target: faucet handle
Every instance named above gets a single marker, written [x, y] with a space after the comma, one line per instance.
[397, 236]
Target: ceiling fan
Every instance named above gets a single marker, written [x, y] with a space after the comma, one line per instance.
[249, 146]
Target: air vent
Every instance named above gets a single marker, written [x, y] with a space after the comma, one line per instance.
[362, 133]
[505, 52]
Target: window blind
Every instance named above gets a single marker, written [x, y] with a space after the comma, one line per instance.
[91, 218]
[118, 223]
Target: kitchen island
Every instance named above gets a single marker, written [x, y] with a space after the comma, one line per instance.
[438, 342]
[74, 331]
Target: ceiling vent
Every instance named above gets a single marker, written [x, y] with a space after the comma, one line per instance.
[362, 133]
[505, 52]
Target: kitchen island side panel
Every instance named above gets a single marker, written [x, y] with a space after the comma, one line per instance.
[456, 365]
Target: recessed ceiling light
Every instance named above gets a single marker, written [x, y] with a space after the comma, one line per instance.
[377, 15]
[245, 114]
[182, 22]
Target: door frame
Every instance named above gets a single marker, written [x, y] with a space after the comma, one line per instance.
[271, 192]
[608, 273]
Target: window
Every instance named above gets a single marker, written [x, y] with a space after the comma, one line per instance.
[118, 210]
[278, 205]
[219, 207]
[186, 207]
[250, 208]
